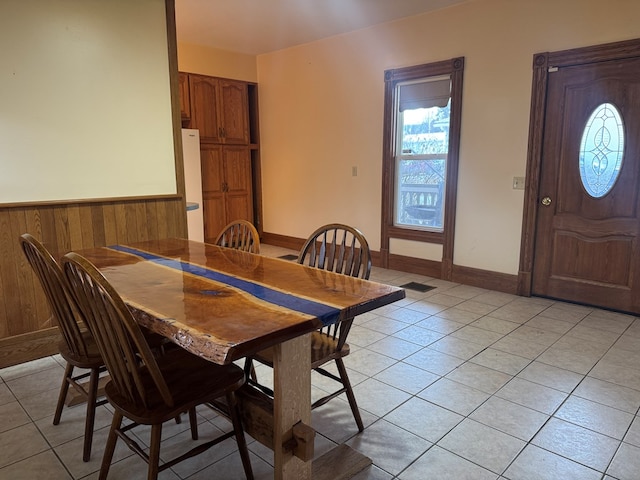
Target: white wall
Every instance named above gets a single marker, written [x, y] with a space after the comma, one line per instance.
[321, 112]
[85, 104]
[216, 62]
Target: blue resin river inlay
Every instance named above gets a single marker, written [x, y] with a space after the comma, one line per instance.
[326, 313]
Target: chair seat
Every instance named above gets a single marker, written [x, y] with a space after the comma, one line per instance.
[323, 350]
[191, 380]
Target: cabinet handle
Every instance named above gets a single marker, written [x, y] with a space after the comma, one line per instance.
[224, 133]
[225, 187]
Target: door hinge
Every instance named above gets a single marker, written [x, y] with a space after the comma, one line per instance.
[552, 69]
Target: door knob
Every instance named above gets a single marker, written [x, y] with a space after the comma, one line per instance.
[546, 201]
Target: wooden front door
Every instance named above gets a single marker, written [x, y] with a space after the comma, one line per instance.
[587, 226]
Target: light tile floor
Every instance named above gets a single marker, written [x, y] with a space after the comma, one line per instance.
[455, 383]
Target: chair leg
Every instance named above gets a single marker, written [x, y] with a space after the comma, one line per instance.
[350, 396]
[249, 370]
[234, 411]
[92, 397]
[110, 446]
[193, 423]
[62, 396]
[154, 452]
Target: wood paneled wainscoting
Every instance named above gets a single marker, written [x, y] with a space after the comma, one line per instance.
[27, 330]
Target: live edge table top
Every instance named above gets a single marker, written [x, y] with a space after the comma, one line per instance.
[224, 304]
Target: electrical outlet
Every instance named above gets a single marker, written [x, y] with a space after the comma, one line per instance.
[354, 171]
[518, 183]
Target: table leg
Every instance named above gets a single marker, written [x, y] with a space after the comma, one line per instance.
[292, 403]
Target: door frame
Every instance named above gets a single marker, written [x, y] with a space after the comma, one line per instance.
[542, 62]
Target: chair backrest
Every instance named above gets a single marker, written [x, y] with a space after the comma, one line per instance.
[62, 304]
[117, 334]
[341, 249]
[337, 248]
[241, 235]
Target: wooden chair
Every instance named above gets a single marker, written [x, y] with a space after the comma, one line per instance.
[77, 346]
[145, 389]
[341, 249]
[241, 235]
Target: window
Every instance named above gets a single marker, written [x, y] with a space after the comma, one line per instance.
[420, 164]
[601, 150]
[422, 144]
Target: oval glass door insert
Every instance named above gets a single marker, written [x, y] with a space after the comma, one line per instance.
[601, 150]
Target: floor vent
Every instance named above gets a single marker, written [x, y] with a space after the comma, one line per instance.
[289, 257]
[418, 287]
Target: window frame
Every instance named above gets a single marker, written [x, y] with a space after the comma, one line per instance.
[455, 69]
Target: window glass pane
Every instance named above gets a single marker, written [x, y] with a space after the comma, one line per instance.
[425, 130]
[420, 193]
[421, 164]
[601, 150]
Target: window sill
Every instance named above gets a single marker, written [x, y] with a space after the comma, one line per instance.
[415, 235]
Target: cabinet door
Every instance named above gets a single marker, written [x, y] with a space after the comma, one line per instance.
[227, 192]
[238, 183]
[183, 90]
[213, 196]
[233, 111]
[203, 91]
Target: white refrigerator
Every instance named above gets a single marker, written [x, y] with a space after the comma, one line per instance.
[193, 183]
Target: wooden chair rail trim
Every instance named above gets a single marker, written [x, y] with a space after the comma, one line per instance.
[90, 201]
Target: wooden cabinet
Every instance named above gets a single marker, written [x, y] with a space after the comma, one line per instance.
[225, 112]
[219, 109]
[227, 192]
[185, 103]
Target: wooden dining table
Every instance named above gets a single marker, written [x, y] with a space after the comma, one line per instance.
[224, 304]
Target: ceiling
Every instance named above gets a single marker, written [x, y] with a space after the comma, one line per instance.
[260, 26]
